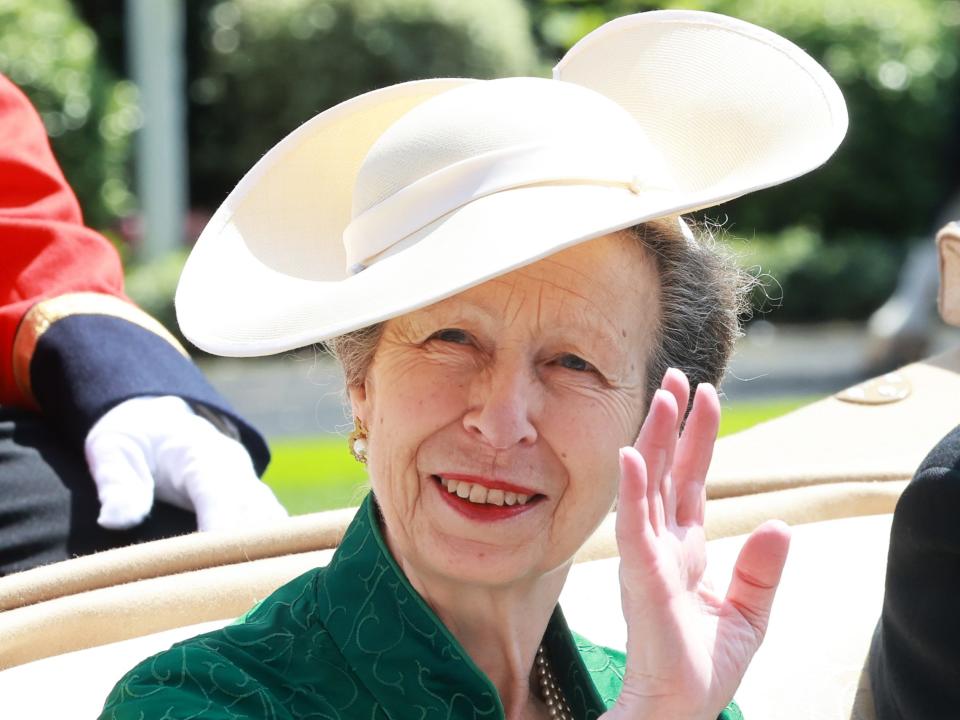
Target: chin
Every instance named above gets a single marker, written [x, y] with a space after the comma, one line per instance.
[455, 540]
[476, 563]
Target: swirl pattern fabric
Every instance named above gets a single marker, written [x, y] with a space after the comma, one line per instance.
[352, 640]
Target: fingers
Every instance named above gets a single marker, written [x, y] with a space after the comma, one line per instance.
[757, 573]
[656, 443]
[675, 382]
[216, 476]
[677, 469]
[694, 453]
[150, 446]
[123, 478]
[634, 527]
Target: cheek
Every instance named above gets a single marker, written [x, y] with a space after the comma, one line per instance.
[587, 440]
[420, 398]
[595, 470]
[602, 421]
[409, 404]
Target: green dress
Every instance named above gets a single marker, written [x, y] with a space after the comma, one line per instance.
[351, 640]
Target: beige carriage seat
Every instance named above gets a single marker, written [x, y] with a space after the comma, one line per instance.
[875, 433]
[839, 461]
[809, 666]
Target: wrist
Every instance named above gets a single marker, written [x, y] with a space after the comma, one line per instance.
[637, 707]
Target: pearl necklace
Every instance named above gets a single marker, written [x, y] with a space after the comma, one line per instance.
[550, 691]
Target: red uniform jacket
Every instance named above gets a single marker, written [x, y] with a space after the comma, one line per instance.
[72, 345]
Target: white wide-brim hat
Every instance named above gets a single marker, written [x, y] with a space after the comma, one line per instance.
[406, 195]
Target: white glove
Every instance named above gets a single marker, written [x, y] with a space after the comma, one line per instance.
[157, 446]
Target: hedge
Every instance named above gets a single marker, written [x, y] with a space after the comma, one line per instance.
[897, 64]
[267, 67]
[89, 114]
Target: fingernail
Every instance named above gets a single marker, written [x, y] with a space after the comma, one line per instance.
[702, 388]
[666, 396]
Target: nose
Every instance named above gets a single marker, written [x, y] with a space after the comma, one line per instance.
[503, 407]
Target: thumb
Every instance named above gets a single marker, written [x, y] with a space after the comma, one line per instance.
[124, 482]
[757, 573]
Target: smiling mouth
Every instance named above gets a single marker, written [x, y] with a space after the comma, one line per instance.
[481, 495]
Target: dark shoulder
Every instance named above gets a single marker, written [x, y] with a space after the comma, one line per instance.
[925, 516]
[939, 471]
[945, 456]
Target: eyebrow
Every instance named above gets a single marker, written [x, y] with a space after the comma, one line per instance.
[598, 337]
[597, 329]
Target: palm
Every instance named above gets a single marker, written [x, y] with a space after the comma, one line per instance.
[687, 646]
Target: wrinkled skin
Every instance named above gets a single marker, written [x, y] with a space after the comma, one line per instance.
[687, 646]
[538, 378]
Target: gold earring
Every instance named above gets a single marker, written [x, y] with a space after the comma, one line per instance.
[358, 441]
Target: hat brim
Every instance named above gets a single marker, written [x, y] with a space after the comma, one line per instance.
[738, 108]
[479, 241]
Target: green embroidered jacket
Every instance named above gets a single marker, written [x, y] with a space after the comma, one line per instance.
[349, 641]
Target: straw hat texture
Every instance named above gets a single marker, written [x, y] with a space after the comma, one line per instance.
[411, 193]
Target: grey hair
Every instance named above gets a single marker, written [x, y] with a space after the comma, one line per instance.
[355, 350]
[703, 293]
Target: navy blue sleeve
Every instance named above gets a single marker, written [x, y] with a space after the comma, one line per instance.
[84, 365]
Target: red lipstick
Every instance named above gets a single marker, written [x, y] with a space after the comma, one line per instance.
[490, 484]
[482, 511]
[486, 512]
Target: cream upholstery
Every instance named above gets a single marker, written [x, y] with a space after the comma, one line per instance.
[811, 661]
[169, 557]
[79, 618]
[83, 678]
[834, 440]
[809, 665]
[840, 440]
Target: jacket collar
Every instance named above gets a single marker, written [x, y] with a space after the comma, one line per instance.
[401, 650]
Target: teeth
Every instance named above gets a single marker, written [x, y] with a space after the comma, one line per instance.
[480, 495]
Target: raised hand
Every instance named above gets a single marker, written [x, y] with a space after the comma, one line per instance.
[687, 646]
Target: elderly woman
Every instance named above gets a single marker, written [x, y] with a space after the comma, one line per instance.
[501, 268]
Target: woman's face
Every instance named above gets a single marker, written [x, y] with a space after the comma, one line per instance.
[517, 394]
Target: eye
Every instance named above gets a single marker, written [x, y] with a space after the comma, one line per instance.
[573, 362]
[451, 335]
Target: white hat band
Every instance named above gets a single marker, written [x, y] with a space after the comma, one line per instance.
[384, 225]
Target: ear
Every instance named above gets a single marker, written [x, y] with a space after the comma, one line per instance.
[358, 400]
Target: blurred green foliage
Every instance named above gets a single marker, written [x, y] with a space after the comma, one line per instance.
[267, 67]
[834, 238]
[152, 286]
[89, 114]
[897, 64]
[802, 278]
